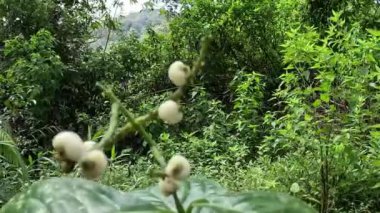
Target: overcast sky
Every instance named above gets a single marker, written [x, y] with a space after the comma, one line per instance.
[127, 7]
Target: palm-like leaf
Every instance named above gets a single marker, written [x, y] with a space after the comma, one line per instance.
[10, 152]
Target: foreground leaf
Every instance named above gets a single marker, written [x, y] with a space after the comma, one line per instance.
[59, 195]
[64, 195]
[261, 202]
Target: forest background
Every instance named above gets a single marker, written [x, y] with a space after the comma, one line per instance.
[288, 100]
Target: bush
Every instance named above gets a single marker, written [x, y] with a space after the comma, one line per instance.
[329, 101]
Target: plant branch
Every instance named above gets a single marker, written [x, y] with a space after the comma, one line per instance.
[128, 128]
[137, 126]
[197, 68]
[108, 137]
[139, 123]
[176, 95]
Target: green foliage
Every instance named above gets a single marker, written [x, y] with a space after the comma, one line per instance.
[198, 195]
[24, 18]
[246, 37]
[364, 11]
[329, 98]
[13, 170]
[288, 99]
[10, 152]
[46, 41]
[35, 75]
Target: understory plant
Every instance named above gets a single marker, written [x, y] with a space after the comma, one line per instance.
[326, 133]
[174, 190]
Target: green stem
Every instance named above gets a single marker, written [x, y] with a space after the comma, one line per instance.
[107, 138]
[128, 128]
[178, 204]
[156, 153]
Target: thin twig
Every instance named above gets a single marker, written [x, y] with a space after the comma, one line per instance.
[116, 4]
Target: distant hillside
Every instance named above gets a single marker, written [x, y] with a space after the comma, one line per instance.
[137, 22]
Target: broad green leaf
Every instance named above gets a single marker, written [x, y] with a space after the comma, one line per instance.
[77, 195]
[190, 192]
[59, 194]
[198, 195]
[260, 202]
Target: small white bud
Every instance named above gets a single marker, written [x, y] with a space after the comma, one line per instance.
[169, 112]
[168, 186]
[93, 164]
[69, 145]
[178, 73]
[178, 167]
[88, 145]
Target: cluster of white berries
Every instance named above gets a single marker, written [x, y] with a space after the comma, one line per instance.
[169, 111]
[178, 167]
[70, 149]
[177, 170]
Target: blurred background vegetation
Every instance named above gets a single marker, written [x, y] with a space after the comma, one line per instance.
[288, 101]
